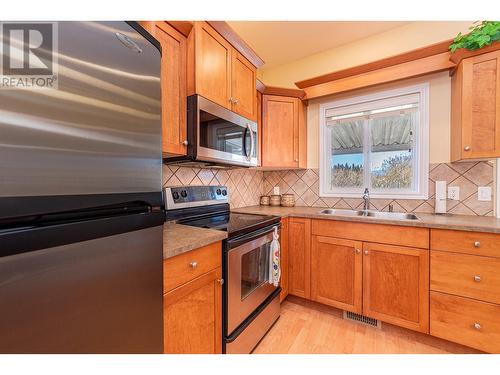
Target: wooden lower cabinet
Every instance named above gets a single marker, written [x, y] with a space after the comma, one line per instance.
[396, 285]
[192, 315]
[284, 259]
[299, 257]
[336, 272]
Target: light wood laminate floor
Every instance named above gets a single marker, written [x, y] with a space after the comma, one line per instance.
[307, 327]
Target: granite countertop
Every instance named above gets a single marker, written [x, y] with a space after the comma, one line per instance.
[178, 239]
[448, 221]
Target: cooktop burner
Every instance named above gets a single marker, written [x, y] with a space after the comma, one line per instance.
[234, 223]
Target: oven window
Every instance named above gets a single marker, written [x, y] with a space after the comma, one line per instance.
[254, 269]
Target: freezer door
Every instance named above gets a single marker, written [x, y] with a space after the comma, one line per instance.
[102, 295]
[99, 132]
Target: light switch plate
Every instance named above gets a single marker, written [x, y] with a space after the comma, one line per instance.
[454, 193]
[276, 190]
[484, 193]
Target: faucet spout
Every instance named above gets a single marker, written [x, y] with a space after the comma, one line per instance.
[366, 198]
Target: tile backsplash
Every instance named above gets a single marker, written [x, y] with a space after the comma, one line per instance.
[304, 184]
[245, 185]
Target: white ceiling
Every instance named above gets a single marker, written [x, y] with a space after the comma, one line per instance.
[281, 42]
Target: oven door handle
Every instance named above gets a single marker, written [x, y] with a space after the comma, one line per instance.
[232, 244]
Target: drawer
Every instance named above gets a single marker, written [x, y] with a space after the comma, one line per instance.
[474, 243]
[466, 321]
[185, 267]
[379, 233]
[466, 275]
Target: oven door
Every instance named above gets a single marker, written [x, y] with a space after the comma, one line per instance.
[224, 136]
[248, 261]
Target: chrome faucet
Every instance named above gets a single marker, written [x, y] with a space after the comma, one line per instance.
[366, 198]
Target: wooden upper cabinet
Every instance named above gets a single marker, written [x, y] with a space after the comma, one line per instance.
[336, 273]
[192, 315]
[212, 65]
[475, 115]
[284, 133]
[173, 86]
[396, 285]
[218, 72]
[299, 257]
[243, 80]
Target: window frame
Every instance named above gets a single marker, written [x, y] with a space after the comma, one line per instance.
[420, 173]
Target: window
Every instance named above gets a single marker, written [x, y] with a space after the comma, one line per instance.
[379, 142]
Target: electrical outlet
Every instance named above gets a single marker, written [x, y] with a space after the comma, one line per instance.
[484, 193]
[276, 190]
[454, 193]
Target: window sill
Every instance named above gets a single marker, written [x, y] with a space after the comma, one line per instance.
[375, 195]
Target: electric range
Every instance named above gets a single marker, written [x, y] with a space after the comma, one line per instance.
[250, 302]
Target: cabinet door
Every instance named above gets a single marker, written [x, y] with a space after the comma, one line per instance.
[243, 80]
[481, 106]
[280, 131]
[299, 257]
[192, 315]
[336, 273]
[396, 285]
[258, 96]
[284, 258]
[173, 88]
[212, 65]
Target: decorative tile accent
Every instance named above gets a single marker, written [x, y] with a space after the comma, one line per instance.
[245, 185]
[467, 175]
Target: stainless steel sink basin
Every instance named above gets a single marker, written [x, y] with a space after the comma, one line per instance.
[342, 212]
[391, 215]
[378, 214]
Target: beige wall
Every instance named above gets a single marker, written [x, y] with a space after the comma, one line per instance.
[392, 42]
[439, 116]
[375, 47]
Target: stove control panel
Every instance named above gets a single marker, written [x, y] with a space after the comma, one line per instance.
[195, 196]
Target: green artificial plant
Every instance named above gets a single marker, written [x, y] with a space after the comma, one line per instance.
[482, 34]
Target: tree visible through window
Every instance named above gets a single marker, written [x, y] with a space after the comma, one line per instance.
[377, 144]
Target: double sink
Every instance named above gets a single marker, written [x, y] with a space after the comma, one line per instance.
[376, 214]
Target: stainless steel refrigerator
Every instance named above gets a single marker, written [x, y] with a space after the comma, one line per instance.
[80, 199]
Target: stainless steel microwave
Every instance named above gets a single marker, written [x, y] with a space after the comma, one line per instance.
[218, 136]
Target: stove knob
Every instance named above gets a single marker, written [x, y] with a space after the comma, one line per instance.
[183, 194]
[175, 195]
[218, 192]
[224, 192]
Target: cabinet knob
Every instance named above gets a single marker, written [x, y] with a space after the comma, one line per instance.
[477, 278]
[220, 281]
[296, 159]
[185, 143]
[467, 148]
[235, 101]
[193, 265]
[230, 100]
[477, 326]
[366, 252]
[358, 251]
[477, 244]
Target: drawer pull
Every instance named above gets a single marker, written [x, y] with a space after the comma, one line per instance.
[477, 278]
[477, 326]
[477, 244]
[193, 265]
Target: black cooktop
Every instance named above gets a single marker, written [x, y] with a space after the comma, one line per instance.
[235, 224]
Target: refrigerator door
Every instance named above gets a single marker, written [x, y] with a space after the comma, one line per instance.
[98, 133]
[98, 295]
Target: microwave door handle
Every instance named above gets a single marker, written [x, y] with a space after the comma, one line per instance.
[245, 143]
[252, 142]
